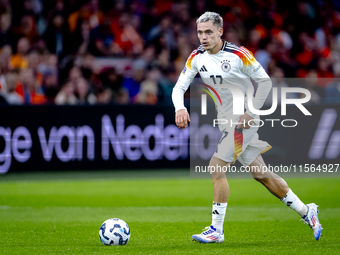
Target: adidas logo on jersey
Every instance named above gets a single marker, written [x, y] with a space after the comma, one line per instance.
[203, 69]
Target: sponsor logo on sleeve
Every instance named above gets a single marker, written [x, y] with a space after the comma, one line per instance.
[257, 68]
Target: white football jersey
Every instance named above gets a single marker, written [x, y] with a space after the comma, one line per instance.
[231, 65]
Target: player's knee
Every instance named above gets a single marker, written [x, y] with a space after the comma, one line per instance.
[217, 174]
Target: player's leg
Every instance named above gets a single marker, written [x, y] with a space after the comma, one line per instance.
[220, 192]
[279, 188]
[219, 180]
[274, 183]
[214, 233]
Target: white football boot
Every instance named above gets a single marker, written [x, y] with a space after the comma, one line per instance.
[209, 235]
[312, 219]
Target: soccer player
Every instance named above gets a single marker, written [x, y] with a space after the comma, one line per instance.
[221, 62]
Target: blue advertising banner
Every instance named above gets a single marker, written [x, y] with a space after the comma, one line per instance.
[93, 137]
[43, 138]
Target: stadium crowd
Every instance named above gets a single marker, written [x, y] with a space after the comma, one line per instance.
[121, 52]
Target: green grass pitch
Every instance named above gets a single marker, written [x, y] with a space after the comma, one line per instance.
[62, 213]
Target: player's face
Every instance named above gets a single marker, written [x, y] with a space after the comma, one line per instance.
[209, 35]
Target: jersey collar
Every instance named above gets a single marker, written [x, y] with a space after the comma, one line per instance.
[224, 44]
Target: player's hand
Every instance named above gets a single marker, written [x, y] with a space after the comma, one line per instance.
[248, 121]
[182, 118]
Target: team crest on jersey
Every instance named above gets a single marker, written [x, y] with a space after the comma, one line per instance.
[225, 66]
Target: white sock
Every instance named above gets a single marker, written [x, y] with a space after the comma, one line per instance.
[218, 215]
[291, 200]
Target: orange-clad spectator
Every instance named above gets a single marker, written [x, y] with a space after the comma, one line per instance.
[28, 89]
[261, 30]
[309, 47]
[126, 36]
[88, 12]
[19, 60]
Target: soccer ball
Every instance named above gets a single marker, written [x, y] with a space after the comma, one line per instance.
[114, 232]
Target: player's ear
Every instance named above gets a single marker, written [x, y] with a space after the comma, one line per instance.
[221, 31]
